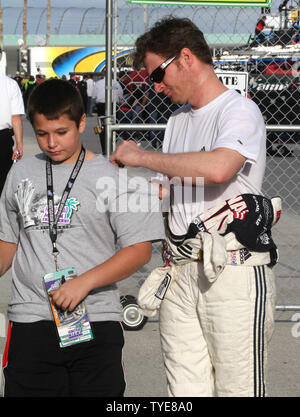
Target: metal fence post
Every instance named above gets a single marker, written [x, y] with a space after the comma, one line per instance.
[108, 77]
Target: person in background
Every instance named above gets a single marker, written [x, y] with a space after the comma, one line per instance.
[11, 125]
[82, 87]
[99, 94]
[90, 101]
[18, 79]
[260, 25]
[39, 78]
[27, 89]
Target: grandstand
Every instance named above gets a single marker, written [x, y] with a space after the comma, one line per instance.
[86, 25]
[72, 24]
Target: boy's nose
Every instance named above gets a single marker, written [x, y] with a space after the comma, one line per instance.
[51, 142]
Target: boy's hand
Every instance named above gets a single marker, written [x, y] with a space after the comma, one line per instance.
[69, 294]
[128, 153]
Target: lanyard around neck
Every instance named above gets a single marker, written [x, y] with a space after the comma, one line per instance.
[52, 218]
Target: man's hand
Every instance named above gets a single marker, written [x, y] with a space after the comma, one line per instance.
[17, 125]
[128, 153]
[17, 153]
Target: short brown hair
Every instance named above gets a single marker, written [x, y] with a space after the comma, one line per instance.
[53, 98]
[168, 36]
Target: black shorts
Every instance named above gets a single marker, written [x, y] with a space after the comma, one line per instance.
[38, 367]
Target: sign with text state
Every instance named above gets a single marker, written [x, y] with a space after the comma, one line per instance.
[234, 80]
[239, 3]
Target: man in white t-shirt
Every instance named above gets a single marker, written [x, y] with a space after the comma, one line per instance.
[99, 94]
[12, 109]
[90, 86]
[214, 335]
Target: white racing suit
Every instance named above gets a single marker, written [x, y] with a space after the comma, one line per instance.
[216, 300]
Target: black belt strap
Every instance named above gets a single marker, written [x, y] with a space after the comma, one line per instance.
[6, 131]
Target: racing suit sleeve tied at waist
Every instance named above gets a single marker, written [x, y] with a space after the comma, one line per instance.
[237, 232]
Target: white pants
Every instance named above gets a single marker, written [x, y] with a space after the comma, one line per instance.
[214, 336]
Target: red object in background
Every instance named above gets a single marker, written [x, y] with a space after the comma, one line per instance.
[286, 67]
[260, 26]
[139, 76]
[136, 79]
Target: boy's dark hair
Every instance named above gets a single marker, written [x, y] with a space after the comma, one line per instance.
[53, 98]
[168, 36]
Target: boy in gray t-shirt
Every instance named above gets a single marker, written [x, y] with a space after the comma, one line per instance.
[64, 208]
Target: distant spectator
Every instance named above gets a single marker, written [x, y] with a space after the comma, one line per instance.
[90, 102]
[18, 79]
[82, 87]
[137, 85]
[260, 37]
[27, 89]
[24, 81]
[99, 95]
[73, 80]
[159, 108]
[39, 78]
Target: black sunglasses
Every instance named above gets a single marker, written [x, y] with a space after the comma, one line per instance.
[158, 74]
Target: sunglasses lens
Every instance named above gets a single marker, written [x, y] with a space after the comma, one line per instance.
[157, 75]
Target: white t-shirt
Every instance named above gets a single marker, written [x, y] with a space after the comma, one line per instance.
[99, 91]
[229, 121]
[11, 101]
[90, 86]
[97, 216]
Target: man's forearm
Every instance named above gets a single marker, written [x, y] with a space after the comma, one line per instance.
[183, 165]
[214, 167]
[18, 129]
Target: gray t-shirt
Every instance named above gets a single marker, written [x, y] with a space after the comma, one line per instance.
[95, 220]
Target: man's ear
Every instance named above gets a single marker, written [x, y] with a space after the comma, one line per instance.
[186, 57]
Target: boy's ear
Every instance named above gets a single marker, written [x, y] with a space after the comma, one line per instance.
[82, 123]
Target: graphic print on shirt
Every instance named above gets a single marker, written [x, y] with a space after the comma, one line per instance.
[34, 207]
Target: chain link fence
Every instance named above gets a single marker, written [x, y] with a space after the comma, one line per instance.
[271, 58]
